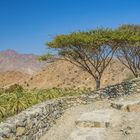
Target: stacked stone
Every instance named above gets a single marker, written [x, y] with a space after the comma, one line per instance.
[32, 123]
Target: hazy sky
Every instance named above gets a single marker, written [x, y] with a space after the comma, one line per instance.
[25, 25]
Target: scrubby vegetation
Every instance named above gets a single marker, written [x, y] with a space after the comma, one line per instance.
[129, 77]
[17, 99]
[92, 51]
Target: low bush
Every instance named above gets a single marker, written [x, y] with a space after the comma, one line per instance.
[18, 99]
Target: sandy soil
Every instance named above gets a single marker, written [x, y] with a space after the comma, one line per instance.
[63, 74]
[127, 128]
[125, 125]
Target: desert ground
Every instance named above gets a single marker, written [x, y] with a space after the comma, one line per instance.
[124, 125]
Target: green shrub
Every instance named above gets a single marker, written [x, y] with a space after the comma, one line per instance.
[129, 77]
[17, 99]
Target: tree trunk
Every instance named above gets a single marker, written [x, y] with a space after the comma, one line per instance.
[136, 74]
[97, 84]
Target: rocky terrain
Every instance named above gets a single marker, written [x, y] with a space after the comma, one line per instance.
[110, 113]
[87, 122]
[64, 74]
[26, 70]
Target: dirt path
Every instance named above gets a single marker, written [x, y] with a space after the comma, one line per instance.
[126, 125]
[66, 124]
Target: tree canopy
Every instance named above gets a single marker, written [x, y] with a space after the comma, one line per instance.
[129, 47]
[93, 50]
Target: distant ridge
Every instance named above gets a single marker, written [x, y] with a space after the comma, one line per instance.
[25, 69]
[10, 60]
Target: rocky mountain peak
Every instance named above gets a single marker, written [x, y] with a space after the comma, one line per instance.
[10, 60]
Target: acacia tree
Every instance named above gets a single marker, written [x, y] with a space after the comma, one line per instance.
[92, 51]
[128, 51]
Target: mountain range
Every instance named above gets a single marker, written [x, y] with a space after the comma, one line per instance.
[10, 60]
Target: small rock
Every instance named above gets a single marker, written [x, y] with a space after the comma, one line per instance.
[20, 131]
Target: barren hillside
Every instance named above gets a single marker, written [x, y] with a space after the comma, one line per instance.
[13, 67]
[63, 74]
[11, 77]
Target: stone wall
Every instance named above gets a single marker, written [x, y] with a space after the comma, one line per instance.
[32, 123]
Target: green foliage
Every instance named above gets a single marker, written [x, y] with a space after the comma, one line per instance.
[128, 51]
[95, 38]
[91, 39]
[19, 99]
[45, 57]
[13, 88]
[128, 33]
[129, 77]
